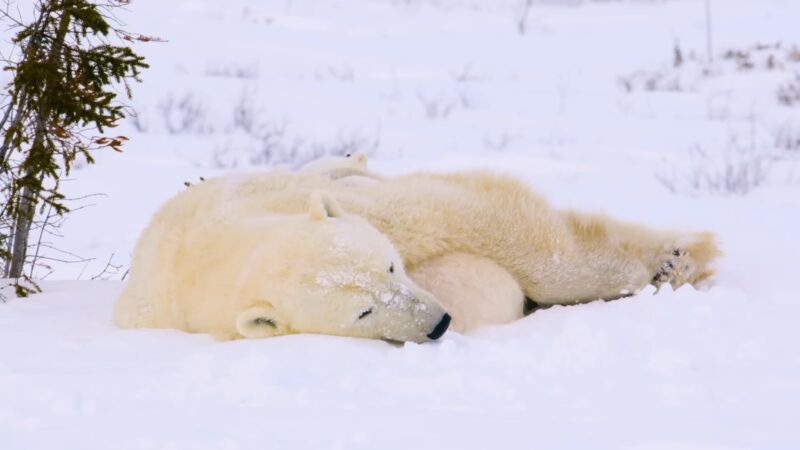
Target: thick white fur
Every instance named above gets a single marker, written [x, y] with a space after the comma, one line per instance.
[334, 163]
[347, 170]
[212, 231]
[555, 256]
[474, 290]
[215, 260]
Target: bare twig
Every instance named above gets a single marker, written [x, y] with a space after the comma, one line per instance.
[39, 240]
[522, 13]
[107, 269]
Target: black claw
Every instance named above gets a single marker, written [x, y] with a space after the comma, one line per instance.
[660, 277]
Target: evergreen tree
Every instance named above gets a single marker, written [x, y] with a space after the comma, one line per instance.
[62, 89]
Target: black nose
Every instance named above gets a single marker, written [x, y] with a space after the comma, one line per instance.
[440, 328]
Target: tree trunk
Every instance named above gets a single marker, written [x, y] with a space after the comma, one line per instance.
[24, 213]
[22, 228]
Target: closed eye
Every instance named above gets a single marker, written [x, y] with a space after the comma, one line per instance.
[265, 321]
[365, 314]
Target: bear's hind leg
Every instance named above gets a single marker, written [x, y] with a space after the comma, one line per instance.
[670, 257]
[587, 265]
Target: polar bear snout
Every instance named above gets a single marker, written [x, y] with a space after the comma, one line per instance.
[440, 328]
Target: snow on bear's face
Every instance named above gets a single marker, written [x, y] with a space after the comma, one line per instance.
[346, 279]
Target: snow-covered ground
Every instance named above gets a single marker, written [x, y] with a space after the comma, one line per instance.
[586, 106]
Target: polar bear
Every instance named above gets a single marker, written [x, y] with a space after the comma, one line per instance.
[205, 265]
[241, 256]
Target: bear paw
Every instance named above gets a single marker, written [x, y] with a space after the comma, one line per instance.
[677, 268]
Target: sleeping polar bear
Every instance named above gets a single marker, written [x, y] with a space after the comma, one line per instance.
[276, 253]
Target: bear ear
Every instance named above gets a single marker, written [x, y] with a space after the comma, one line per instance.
[258, 322]
[321, 206]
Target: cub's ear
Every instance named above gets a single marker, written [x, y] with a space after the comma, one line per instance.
[321, 206]
[258, 322]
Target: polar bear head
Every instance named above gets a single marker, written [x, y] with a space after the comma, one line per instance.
[334, 273]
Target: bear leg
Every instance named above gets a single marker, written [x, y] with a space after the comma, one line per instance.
[669, 256]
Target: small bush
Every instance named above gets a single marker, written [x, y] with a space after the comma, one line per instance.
[789, 93]
[184, 115]
[742, 167]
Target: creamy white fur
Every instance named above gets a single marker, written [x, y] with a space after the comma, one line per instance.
[473, 289]
[213, 261]
[334, 163]
[347, 170]
[250, 241]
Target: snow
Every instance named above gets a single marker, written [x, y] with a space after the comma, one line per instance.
[440, 85]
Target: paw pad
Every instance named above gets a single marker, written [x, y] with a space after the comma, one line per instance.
[675, 269]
